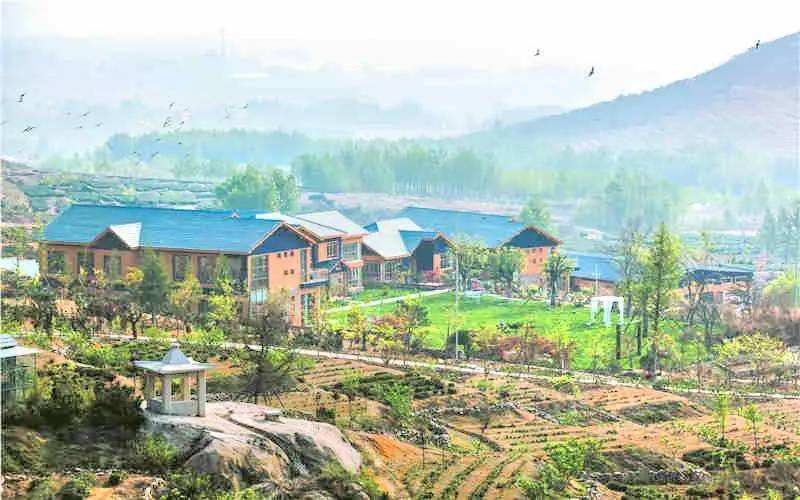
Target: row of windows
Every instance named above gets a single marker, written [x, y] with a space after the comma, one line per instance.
[286, 254]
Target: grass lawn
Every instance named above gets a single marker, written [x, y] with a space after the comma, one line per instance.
[489, 311]
[372, 294]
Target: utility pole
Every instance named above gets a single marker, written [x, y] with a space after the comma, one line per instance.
[458, 277]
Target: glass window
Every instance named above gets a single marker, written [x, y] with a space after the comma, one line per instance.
[56, 262]
[351, 251]
[307, 301]
[303, 265]
[236, 268]
[112, 267]
[86, 263]
[259, 275]
[446, 261]
[205, 268]
[331, 249]
[354, 278]
[180, 264]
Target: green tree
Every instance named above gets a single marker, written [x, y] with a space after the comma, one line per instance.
[399, 398]
[535, 213]
[472, 259]
[151, 292]
[412, 315]
[722, 410]
[505, 265]
[753, 416]
[251, 189]
[350, 385]
[762, 352]
[556, 268]
[660, 278]
[184, 296]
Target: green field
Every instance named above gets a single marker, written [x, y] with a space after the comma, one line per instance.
[489, 311]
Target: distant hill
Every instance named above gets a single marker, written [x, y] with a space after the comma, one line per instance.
[751, 102]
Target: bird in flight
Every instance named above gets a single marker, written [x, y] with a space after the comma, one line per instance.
[167, 122]
[21, 97]
[244, 106]
[538, 52]
[27, 129]
[99, 124]
[758, 44]
[591, 72]
[79, 126]
[171, 104]
[153, 155]
[85, 114]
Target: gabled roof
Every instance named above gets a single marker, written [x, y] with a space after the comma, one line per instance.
[164, 228]
[398, 224]
[493, 230]
[322, 224]
[10, 349]
[593, 266]
[392, 244]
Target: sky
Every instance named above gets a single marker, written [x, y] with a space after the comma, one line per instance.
[635, 44]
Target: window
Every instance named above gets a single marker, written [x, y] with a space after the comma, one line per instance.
[372, 269]
[236, 268]
[56, 262]
[446, 260]
[303, 265]
[205, 268]
[286, 272]
[180, 265]
[351, 251]
[354, 278]
[291, 271]
[112, 267]
[331, 249]
[279, 255]
[86, 263]
[391, 270]
[291, 253]
[307, 301]
[259, 275]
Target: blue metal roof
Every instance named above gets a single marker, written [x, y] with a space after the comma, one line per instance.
[490, 229]
[206, 230]
[595, 266]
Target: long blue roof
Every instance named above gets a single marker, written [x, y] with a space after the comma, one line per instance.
[490, 229]
[595, 266]
[205, 230]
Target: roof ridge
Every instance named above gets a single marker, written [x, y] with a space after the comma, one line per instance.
[150, 207]
[461, 211]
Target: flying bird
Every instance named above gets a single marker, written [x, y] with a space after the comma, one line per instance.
[79, 126]
[227, 116]
[21, 97]
[244, 106]
[85, 114]
[538, 52]
[171, 104]
[167, 122]
[99, 124]
[28, 129]
[158, 139]
[153, 155]
[758, 44]
[591, 72]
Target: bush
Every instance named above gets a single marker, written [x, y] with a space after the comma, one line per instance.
[154, 454]
[116, 407]
[117, 477]
[186, 485]
[23, 451]
[326, 414]
[566, 384]
[79, 487]
[42, 488]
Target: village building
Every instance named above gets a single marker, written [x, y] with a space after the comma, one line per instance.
[396, 249]
[492, 230]
[264, 256]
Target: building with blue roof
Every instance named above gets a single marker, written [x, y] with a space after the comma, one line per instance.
[492, 230]
[264, 255]
[390, 253]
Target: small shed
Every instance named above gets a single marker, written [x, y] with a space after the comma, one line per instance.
[175, 368]
[17, 369]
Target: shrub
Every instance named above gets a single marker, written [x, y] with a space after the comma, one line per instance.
[154, 454]
[117, 477]
[186, 485]
[42, 488]
[79, 487]
[116, 407]
[326, 414]
[23, 451]
[566, 384]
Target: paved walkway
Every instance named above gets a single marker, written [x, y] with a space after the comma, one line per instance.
[390, 300]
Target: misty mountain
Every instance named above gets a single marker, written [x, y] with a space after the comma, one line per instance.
[127, 87]
[751, 103]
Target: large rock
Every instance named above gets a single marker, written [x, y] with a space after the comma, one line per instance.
[234, 441]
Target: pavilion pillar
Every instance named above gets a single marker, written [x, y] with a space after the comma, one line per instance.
[201, 393]
[607, 312]
[166, 393]
[621, 303]
[148, 387]
[186, 380]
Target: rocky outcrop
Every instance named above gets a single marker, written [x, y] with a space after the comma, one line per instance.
[235, 442]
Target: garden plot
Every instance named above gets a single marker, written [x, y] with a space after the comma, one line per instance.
[738, 429]
[475, 484]
[782, 415]
[329, 371]
[369, 386]
[653, 413]
[616, 398]
[305, 401]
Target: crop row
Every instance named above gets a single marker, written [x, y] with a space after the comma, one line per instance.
[481, 489]
[450, 490]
